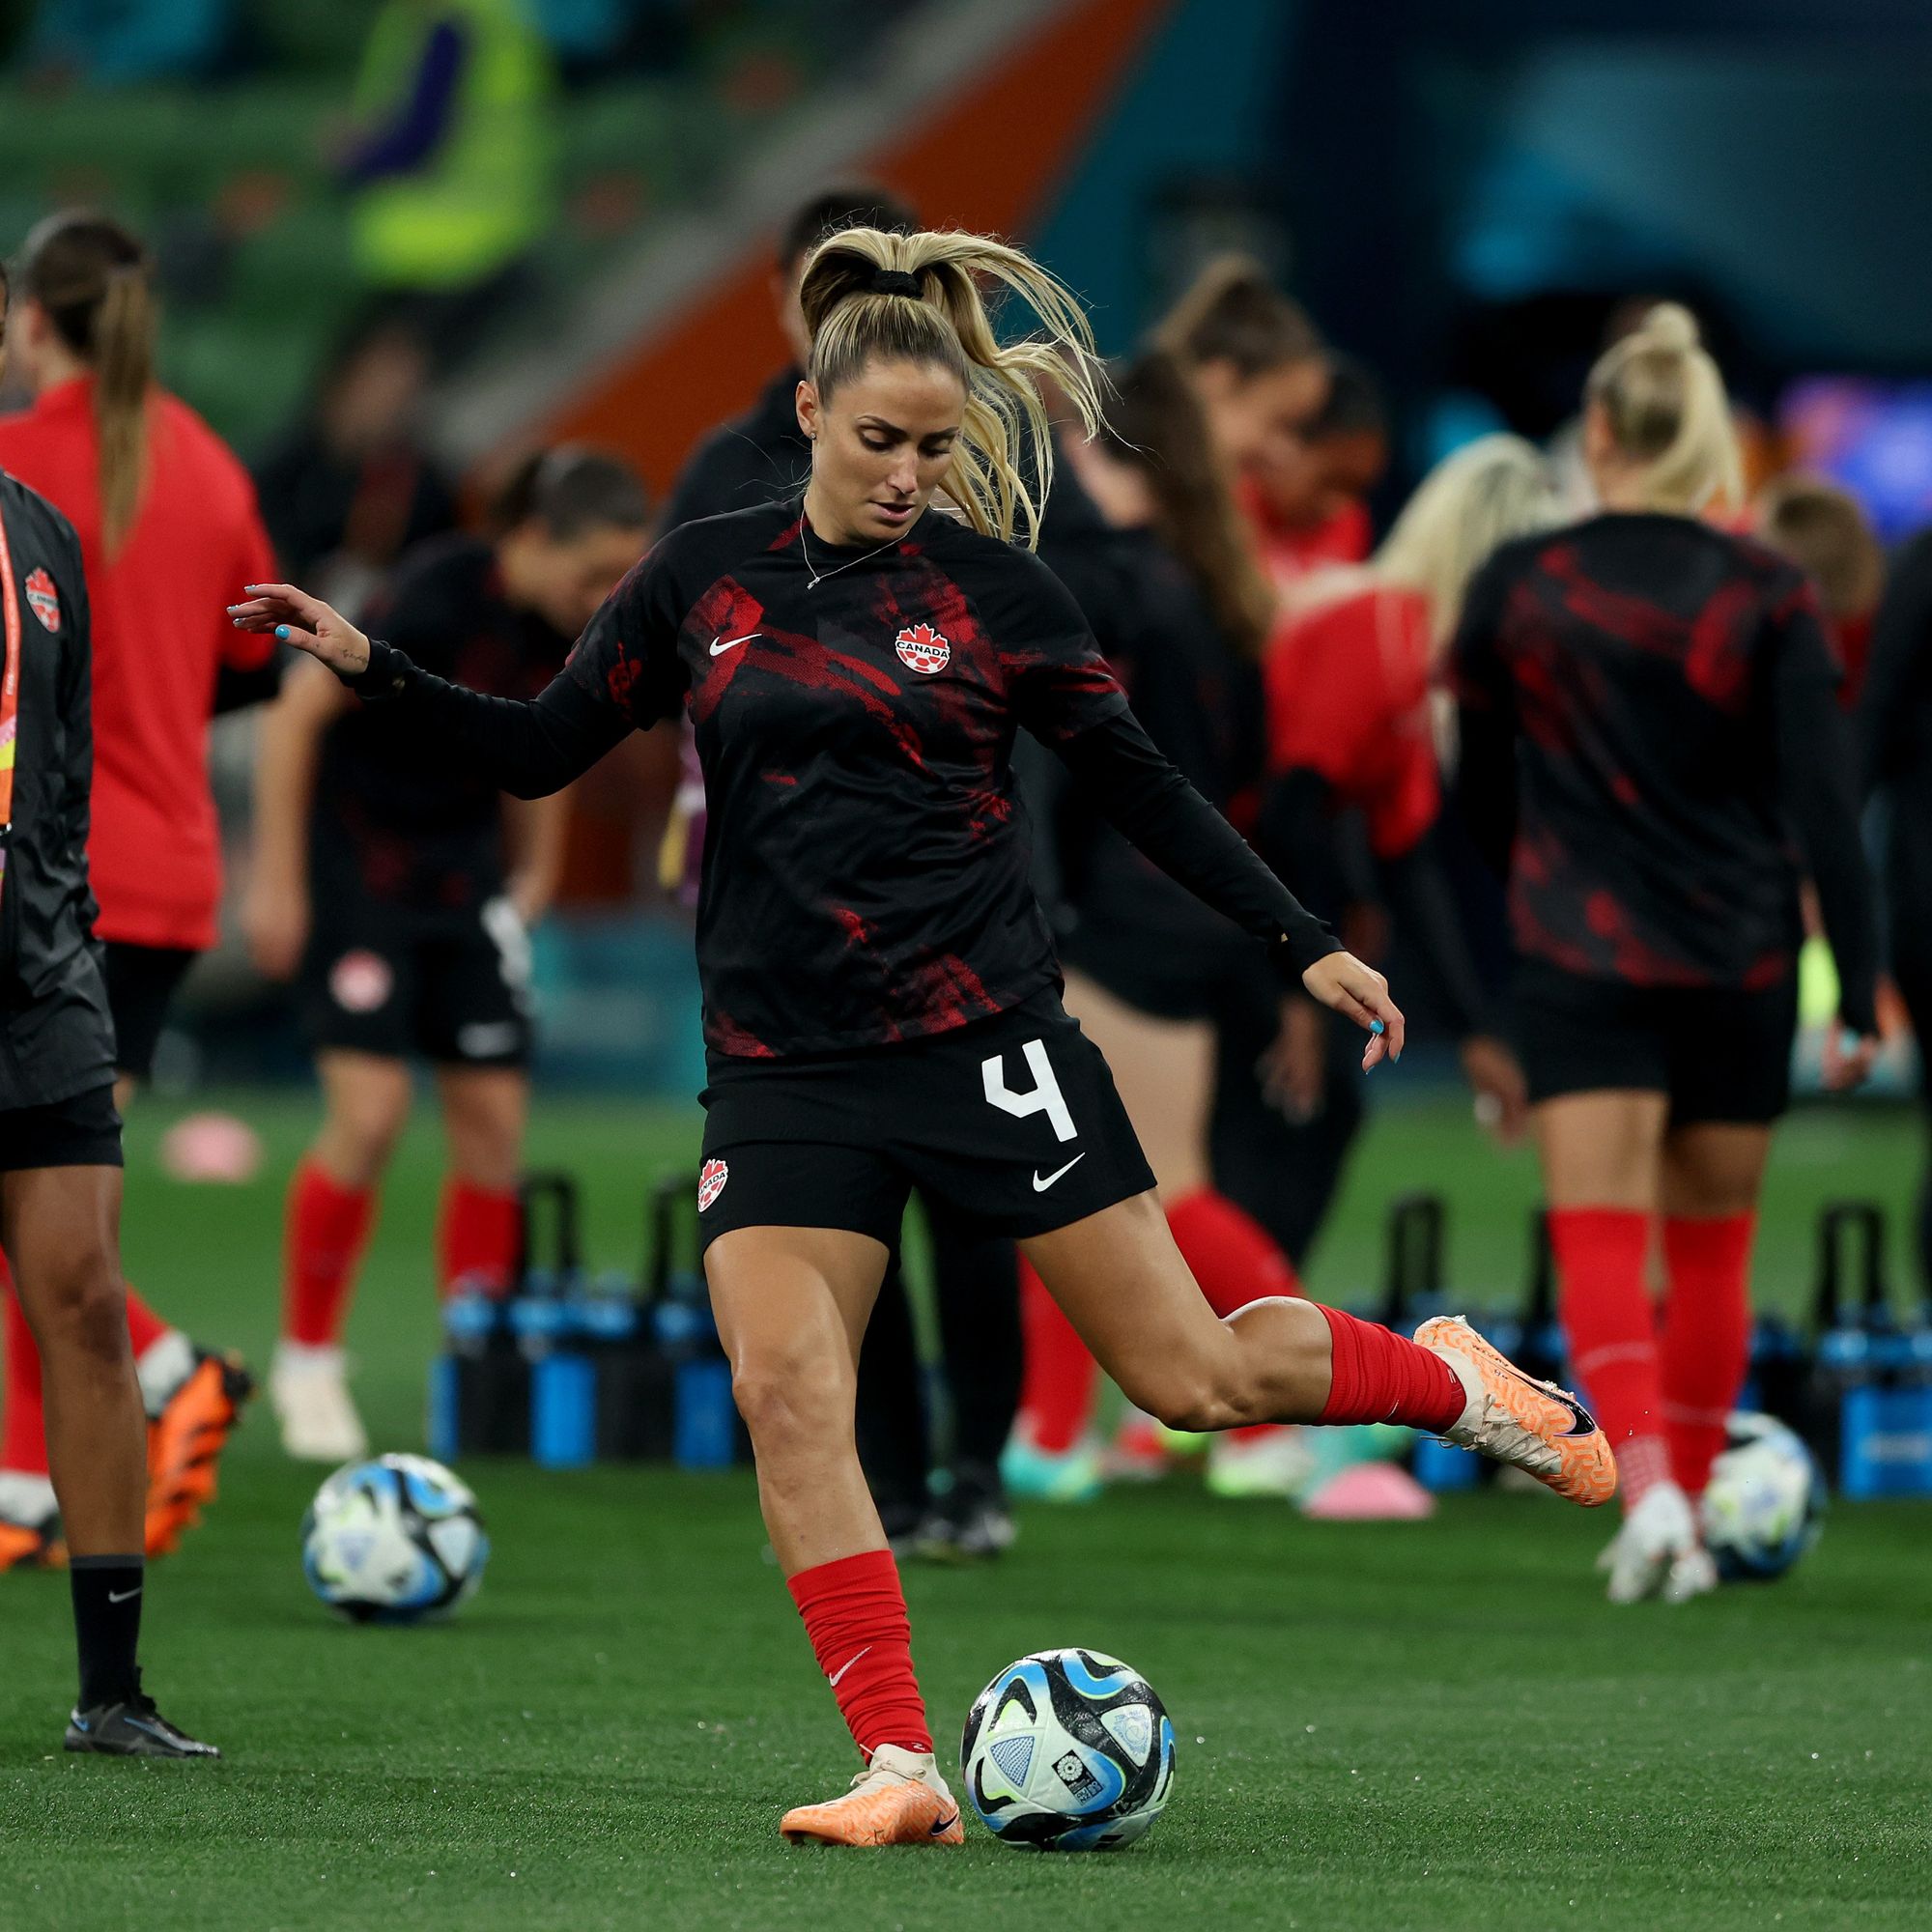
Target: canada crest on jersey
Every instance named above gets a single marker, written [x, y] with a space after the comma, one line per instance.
[923, 649]
[43, 600]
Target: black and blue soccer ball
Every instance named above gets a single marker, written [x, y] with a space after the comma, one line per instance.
[1067, 1751]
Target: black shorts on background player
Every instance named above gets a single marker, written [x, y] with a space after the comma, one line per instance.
[390, 980]
[142, 981]
[1011, 1124]
[1721, 1054]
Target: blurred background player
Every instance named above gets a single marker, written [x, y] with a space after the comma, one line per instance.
[1354, 777]
[351, 487]
[165, 514]
[1648, 703]
[60, 1135]
[385, 871]
[1824, 531]
[1308, 495]
[939, 1506]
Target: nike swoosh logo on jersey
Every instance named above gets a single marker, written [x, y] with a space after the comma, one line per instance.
[720, 645]
[1040, 1186]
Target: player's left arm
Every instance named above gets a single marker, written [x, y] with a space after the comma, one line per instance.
[77, 704]
[1066, 696]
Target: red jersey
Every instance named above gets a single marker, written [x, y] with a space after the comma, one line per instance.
[1289, 552]
[161, 635]
[1347, 697]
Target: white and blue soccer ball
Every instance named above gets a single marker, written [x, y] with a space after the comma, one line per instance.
[1067, 1751]
[393, 1540]
[1765, 1504]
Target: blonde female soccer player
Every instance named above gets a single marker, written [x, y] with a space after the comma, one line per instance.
[881, 999]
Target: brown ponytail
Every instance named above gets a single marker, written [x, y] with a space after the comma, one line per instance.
[1154, 423]
[92, 278]
[1234, 314]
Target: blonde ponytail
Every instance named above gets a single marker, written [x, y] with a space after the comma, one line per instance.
[1669, 414]
[1003, 462]
[91, 276]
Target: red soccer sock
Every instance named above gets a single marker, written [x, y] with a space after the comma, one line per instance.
[478, 1231]
[1705, 1349]
[23, 1439]
[1612, 1329]
[327, 1227]
[1378, 1375]
[1058, 1383]
[1232, 1257]
[855, 1615]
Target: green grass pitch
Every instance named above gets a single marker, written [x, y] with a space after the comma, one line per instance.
[1429, 1726]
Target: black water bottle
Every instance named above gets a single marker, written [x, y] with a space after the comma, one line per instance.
[636, 1380]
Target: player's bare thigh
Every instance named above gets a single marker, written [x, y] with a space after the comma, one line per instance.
[1601, 1150]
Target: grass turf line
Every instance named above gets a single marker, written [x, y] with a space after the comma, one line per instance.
[1431, 1727]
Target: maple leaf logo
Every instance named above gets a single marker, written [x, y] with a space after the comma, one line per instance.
[922, 648]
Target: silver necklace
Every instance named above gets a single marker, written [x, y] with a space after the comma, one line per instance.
[817, 576]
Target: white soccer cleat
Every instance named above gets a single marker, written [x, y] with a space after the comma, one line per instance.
[1656, 1552]
[309, 1390]
[1275, 1464]
[899, 1799]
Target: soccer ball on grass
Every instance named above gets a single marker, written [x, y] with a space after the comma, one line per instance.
[393, 1540]
[1067, 1751]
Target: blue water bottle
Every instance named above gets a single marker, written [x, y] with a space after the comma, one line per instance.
[704, 1425]
[546, 1321]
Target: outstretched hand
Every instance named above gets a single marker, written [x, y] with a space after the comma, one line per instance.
[306, 622]
[1339, 980]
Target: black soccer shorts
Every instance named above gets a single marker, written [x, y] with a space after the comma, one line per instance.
[141, 986]
[81, 1131]
[1011, 1124]
[1722, 1054]
[388, 979]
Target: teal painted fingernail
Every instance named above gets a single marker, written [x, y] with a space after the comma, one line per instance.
[1375, 1026]
[282, 632]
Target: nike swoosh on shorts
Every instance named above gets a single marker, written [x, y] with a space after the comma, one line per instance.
[1040, 1186]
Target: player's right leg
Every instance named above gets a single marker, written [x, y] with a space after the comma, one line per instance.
[331, 1205]
[792, 1303]
[60, 1227]
[1123, 1283]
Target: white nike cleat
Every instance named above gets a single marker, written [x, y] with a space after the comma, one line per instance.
[309, 1390]
[1656, 1552]
[899, 1799]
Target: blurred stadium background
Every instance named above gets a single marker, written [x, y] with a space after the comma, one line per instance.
[1464, 196]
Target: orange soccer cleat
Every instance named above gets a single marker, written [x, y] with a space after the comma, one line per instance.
[32, 1546]
[1531, 1425]
[184, 1443]
[899, 1799]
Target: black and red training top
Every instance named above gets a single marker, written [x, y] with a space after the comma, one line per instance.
[866, 872]
[1653, 749]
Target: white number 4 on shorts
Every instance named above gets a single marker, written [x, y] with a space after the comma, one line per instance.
[1045, 1096]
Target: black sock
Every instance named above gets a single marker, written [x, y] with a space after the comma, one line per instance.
[107, 1625]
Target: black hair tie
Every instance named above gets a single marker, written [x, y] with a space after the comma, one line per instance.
[894, 282]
